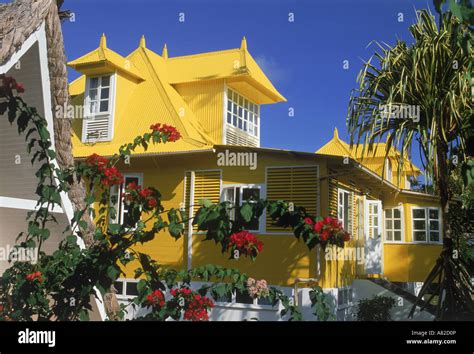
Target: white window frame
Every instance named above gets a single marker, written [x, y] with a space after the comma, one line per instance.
[262, 219]
[427, 225]
[124, 281]
[110, 113]
[379, 216]
[240, 133]
[402, 225]
[349, 216]
[121, 189]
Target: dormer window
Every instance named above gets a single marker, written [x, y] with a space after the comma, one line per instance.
[98, 109]
[242, 121]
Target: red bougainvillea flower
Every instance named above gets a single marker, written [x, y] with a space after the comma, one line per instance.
[155, 127]
[132, 186]
[9, 84]
[318, 227]
[95, 160]
[152, 203]
[156, 298]
[112, 177]
[347, 236]
[246, 243]
[146, 193]
[308, 221]
[171, 133]
[195, 306]
[20, 88]
[330, 230]
[36, 276]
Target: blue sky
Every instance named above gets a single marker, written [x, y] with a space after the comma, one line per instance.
[304, 58]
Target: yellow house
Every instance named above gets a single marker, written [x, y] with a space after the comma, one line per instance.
[214, 100]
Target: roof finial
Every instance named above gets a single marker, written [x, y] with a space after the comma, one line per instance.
[164, 54]
[142, 42]
[103, 41]
[243, 44]
[336, 134]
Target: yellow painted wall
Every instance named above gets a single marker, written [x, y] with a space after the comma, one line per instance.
[409, 262]
[206, 99]
[284, 257]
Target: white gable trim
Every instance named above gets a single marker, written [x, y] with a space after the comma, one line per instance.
[40, 36]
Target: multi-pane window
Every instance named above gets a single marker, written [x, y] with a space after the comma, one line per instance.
[98, 94]
[393, 224]
[237, 195]
[343, 208]
[242, 114]
[126, 287]
[116, 201]
[426, 224]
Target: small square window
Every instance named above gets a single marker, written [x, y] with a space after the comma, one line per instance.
[396, 213]
[419, 224]
[434, 236]
[397, 235]
[118, 285]
[419, 213]
[434, 214]
[105, 81]
[94, 82]
[131, 289]
[420, 236]
[104, 106]
[434, 225]
[104, 93]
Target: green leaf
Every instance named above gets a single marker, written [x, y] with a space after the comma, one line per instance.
[246, 212]
[205, 203]
[175, 229]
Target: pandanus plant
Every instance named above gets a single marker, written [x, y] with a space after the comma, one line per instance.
[432, 74]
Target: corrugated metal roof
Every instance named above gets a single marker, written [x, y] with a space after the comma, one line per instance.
[152, 100]
[338, 147]
[107, 56]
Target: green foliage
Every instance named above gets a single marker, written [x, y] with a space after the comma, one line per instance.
[376, 309]
[320, 304]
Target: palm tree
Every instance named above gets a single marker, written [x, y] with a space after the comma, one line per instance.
[434, 74]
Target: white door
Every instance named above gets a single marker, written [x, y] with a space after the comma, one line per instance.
[373, 236]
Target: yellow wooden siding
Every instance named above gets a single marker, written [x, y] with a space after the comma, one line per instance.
[299, 185]
[206, 99]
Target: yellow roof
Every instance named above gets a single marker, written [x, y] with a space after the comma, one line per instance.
[235, 65]
[338, 147]
[105, 58]
[152, 100]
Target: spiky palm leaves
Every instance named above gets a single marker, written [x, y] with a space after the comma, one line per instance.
[434, 75]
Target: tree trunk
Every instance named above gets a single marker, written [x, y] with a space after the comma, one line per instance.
[62, 130]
